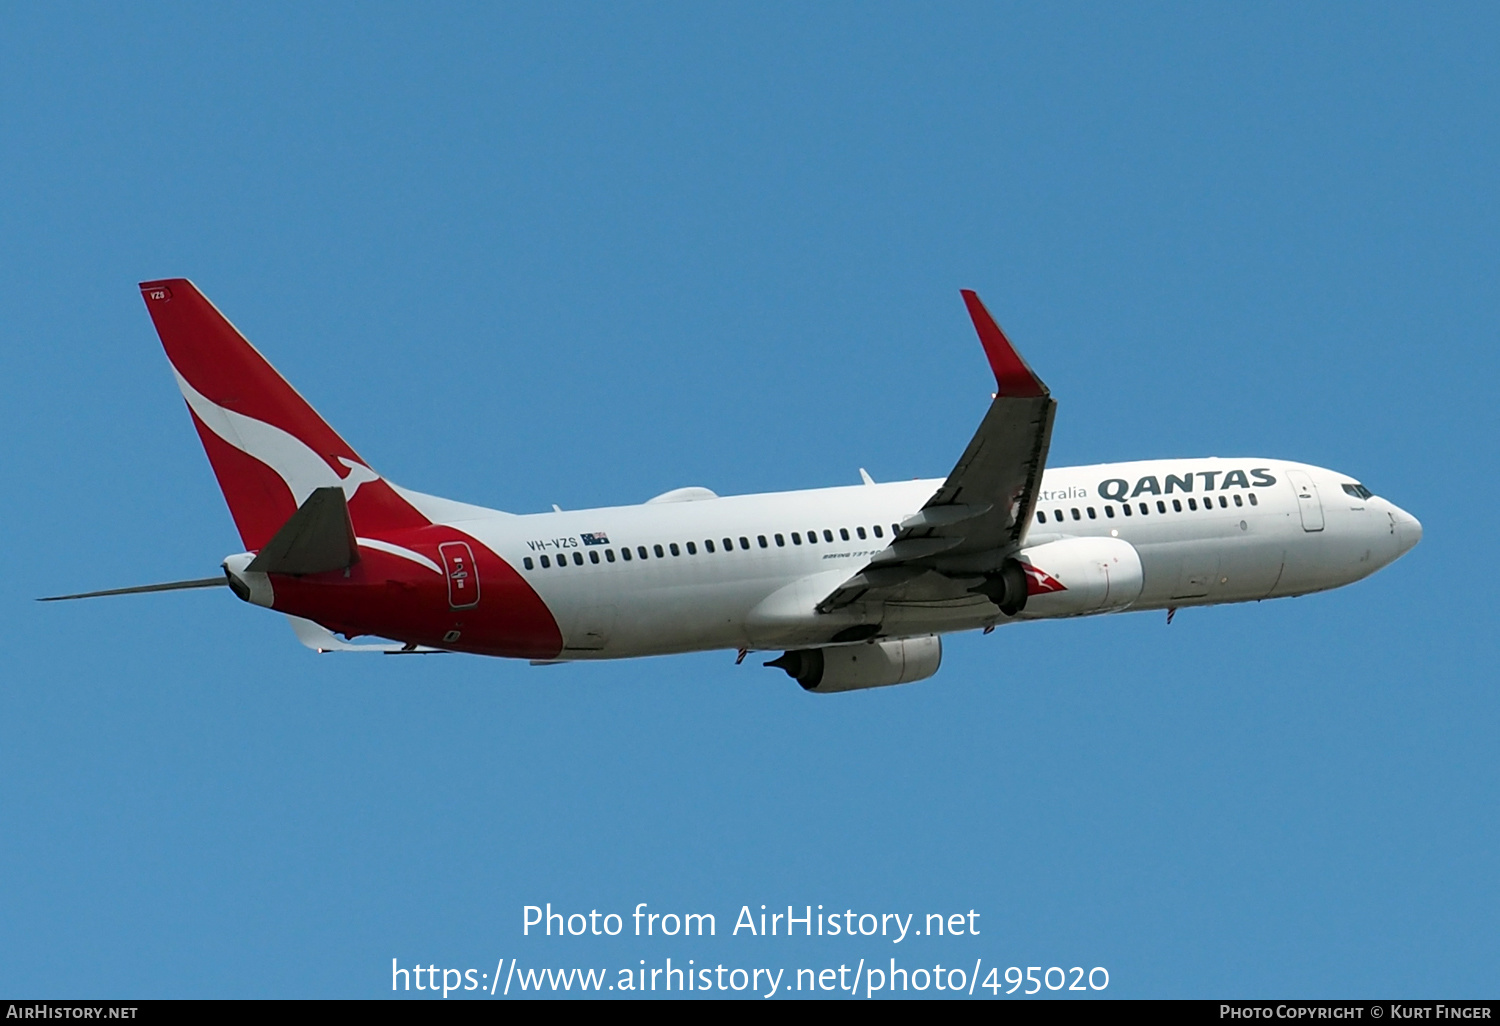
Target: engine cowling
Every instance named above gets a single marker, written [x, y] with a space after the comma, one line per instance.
[852, 667]
[1079, 576]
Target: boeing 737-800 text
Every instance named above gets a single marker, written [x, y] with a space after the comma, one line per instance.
[854, 585]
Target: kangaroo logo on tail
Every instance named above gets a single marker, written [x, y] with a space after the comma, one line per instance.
[303, 470]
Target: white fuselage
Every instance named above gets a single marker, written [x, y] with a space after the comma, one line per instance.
[1201, 540]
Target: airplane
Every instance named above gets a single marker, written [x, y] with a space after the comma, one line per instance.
[853, 585]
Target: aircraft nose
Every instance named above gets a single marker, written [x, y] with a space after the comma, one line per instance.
[1408, 529]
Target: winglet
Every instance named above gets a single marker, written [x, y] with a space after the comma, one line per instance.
[1015, 378]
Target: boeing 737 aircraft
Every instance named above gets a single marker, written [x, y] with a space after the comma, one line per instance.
[853, 585]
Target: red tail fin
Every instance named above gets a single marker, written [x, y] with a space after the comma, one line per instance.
[269, 449]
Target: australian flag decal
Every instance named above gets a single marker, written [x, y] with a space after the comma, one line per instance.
[597, 538]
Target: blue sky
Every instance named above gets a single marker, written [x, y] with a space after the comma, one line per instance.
[583, 254]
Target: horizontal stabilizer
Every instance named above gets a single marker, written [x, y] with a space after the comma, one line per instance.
[205, 582]
[321, 639]
[318, 537]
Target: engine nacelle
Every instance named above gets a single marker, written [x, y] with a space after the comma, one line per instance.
[1078, 576]
[852, 667]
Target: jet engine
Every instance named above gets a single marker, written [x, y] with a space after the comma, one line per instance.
[873, 665]
[1078, 576]
[1009, 588]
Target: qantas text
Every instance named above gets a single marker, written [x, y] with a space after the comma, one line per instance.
[1118, 489]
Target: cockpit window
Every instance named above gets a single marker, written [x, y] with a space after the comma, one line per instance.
[1359, 491]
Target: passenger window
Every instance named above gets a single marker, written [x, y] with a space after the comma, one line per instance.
[744, 542]
[1177, 505]
[844, 533]
[1237, 500]
[1077, 515]
[526, 562]
[660, 553]
[827, 535]
[672, 547]
[895, 530]
[728, 544]
[625, 554]
[1192, 504]
[640, 550]
[609, 555]
[812, 537]
[861, 532]
[1109, 511]
[578, 559]
[780, 541]
[1161, 507]
[1041, 517]
[593, 555]
[708, 545]
[878, 532]
[796, 538]
[1057, 515]
[1145, 509]
[762, 540]
[1253, 500]
[546, 563]
[1223, 502]
[692, 549]
[1125, 508]
[1092, 514]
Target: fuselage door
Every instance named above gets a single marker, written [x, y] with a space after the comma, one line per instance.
[1308, 503]
[463, 575]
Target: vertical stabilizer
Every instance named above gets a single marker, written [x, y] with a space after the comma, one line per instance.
[269, 449]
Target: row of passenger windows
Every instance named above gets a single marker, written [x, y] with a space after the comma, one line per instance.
[673, 549]
[1145, 507]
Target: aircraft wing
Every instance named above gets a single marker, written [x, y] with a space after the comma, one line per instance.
[957, 545]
